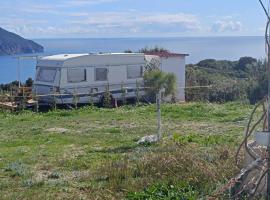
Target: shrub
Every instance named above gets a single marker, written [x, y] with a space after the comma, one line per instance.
[167, 192]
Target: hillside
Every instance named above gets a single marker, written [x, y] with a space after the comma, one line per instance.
[244, 79]
[11, 44]
[91, 153]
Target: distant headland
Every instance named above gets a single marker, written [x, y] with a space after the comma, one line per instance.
[11, 44]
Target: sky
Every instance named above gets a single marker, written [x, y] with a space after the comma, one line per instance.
[132, 18]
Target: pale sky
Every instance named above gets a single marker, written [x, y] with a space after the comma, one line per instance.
[131, 18]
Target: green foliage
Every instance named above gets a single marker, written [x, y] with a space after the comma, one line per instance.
[245, 79]
[156, 49]
[16, 169]
[54, 175]
[205, 140]
[9, 86]
[15, 84]
[156, 80]
[166, 192]
[244, 62]
[29, 82]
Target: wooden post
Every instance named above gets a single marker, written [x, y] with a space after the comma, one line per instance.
[123, 91]
[54, 101]
[36, 102]
[158, 101]
[23, 98]
[91, 100]
[137, 92]
[75, 98]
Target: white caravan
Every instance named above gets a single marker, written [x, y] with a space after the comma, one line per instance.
[61, 78]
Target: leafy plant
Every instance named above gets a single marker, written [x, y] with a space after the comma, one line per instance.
[16, 169]
[156, 80]
[165, 192]
[225, 81]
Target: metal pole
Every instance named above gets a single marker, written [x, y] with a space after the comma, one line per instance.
[267, 39]
[268, 118]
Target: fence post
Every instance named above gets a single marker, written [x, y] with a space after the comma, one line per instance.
[137, 92]
[75, 98]
[54, 101]
[36, 101]
[91, 100]
[107, 97]
[123, 91]
[158, 101]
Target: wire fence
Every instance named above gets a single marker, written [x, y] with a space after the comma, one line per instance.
[23, 97]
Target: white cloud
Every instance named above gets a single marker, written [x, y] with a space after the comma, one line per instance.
[109, 24]
[37, 20]
[186, 22]
[227, 25]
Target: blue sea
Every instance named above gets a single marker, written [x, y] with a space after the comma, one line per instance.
[199, 48]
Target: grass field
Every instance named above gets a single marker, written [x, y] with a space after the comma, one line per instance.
[91, 153]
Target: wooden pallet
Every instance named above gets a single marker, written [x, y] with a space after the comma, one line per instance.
[9, 106]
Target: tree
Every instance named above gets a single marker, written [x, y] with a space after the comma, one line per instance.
[156, 49]
[155, 82]
[244, 62]
[29, 82]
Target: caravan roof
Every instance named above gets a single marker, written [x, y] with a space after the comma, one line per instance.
[73, 60]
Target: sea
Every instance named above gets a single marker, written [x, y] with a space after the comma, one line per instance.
[198, 48]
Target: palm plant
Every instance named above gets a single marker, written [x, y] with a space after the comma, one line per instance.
[158, 84]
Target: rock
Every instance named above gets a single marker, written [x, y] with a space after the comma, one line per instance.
[148, 139]
[11, 43]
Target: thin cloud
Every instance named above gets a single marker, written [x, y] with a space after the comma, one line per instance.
[113, 24]
[190, 22]
[227, 26]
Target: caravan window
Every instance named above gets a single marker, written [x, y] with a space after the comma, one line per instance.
[76, 75]
[46, 75]
[134, 72]
[101, 74]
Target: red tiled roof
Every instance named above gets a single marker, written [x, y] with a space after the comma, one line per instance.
[166, 54]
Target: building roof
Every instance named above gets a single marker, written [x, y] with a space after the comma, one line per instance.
[167, 54]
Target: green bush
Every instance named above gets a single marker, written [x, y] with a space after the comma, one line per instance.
[225, 81]
[166, 192]
[205, 140]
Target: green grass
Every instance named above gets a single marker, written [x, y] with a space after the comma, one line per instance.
[97, 156]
